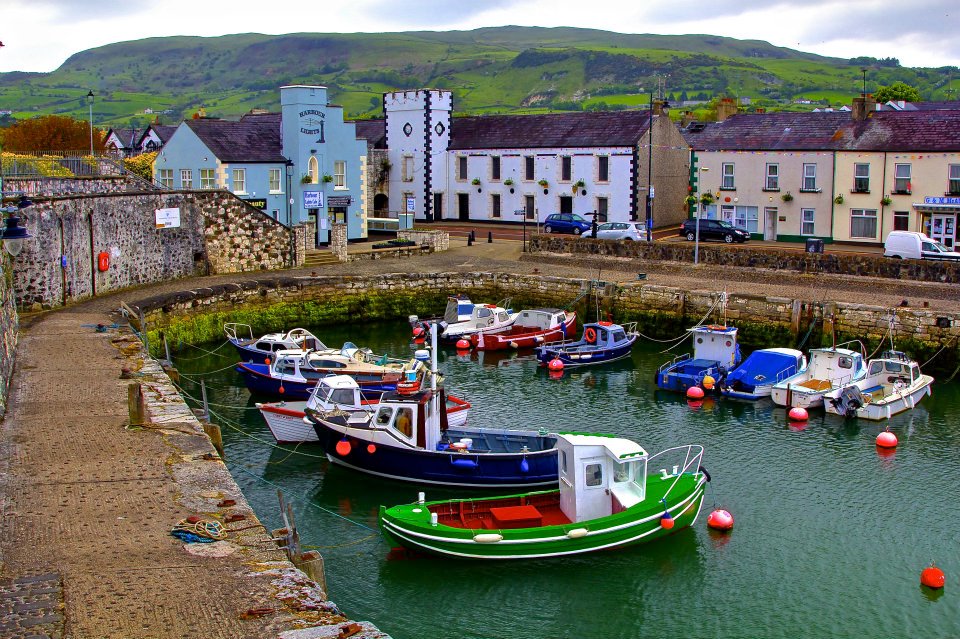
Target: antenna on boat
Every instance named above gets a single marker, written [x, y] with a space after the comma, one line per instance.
[433, 357]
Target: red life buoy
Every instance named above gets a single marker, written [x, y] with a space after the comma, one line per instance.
[407, 388]
[590, 334]
[103, 261]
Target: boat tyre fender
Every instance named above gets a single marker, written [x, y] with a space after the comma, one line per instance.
[716, 327]
[590, 335]
[701, 469]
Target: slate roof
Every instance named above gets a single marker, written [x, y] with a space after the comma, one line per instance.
[374, 131]
[928, 130]
[163, 131]
[127, 137]
[595, 129]
[255, 138]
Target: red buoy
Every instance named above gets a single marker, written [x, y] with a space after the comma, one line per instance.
[418, 331]
[556, 364]
[886, 439]
[720, 519]
[932, 577]
[343, 447]
[666, 522]
[463, 344]
[281, 390]
[555, 374]
[798, 414]
[695, 392]
[371, 448]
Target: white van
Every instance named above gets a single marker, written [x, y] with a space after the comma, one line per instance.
[910, 245]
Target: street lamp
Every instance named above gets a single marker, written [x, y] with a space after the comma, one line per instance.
[13, 234]
[90, 104]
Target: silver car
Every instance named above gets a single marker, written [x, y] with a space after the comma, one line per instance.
[635, 231]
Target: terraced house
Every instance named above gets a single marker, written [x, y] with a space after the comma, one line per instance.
[842, 177]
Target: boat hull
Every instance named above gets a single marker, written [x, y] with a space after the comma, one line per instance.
[890, 405]
[402, 527]
[522, 339]
[258, 379]
[443, 467]
[584, 356]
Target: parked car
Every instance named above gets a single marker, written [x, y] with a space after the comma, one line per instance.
[565, 223]
[910, 245]
[713, 230]
[635, 231]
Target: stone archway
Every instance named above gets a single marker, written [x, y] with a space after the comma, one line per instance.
[381, 205]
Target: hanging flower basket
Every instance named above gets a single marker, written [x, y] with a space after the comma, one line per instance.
[787, 197]
[838, 199]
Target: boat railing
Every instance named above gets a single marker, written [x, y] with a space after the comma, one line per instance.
[693, 455]
[676, 360]
[789, 371]
[858, 343]
[630, 328]
[234, 331]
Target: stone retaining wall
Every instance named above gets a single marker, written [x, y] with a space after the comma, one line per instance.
[218, 233]
[279, 303]
[436, 240]
[9, 326]
[755, 257]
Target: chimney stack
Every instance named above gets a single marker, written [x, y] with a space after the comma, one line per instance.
[862, 107]
[725, 108]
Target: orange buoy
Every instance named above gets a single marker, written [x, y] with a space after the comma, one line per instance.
[266, 360]
[281, 390]
[695, 392]
[666, 522]
[932, 577]
[343, 447]
[886, 439]
[798, 414]
[708, 382]
[371, 448]
[463, 345]
[556, 364]
[720, 519]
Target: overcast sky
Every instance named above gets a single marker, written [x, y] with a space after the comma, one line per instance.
[40, 34]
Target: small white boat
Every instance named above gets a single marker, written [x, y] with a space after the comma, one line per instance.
[827, 369]
[485, 318]
[261, 349]
[893, 384]
[286, 423]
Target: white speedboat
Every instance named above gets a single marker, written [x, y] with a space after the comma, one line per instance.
[893, 384]
[827, 369]
[485, 318]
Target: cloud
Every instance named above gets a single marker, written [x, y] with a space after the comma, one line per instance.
[432, 13]
[90, 9]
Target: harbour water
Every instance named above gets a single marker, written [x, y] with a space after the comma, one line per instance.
[829, 541]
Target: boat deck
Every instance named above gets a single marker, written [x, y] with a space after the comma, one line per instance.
[817, 385]
[525, 511]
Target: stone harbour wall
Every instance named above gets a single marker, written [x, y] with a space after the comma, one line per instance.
[271, 304]
[756, 257]
[9, 328]
[436, 240]
[218, 233]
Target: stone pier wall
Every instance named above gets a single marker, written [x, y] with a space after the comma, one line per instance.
[661, 312]
[9, 327]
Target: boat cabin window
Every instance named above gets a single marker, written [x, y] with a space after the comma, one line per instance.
[563, 461]
[502, 316]
[326, 363]
[593, 473]
[914, 372]
[875, 368]
[286, 367]
[404, 422]
[845, 361]
[263, 346]
[384, 415]
[621, 473]
[484, 312]
[619, 336]
[342, 396]
[893, 367]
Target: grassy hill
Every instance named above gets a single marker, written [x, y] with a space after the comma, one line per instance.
[501, 69]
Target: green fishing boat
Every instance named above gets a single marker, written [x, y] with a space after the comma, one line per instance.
[612, 494]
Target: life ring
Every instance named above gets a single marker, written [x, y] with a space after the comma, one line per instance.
[407, 388]
[590, 334]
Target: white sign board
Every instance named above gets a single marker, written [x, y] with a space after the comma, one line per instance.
[411, 205]
[313, 199]
[168, 218]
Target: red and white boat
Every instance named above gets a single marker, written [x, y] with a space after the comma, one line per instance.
[532, 328]
[286, 423]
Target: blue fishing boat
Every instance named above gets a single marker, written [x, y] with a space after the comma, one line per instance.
[715, 353]
[755, 376]
[261, 349]
[293, 374]
[407, 436]
[601, 342]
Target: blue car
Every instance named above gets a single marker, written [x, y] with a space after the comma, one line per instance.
[565, 223]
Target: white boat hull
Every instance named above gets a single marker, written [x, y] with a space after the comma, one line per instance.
[797, 397]
[892, 404]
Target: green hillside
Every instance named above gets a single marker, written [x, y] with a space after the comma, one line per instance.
[502, 69]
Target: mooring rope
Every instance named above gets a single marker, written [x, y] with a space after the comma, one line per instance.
[181, 344]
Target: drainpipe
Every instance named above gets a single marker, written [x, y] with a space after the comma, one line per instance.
[93, 258]
[833, 189]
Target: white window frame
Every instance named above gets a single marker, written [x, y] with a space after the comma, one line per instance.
[275, 180]
[728, 181]
[772, 181]
[340, 175]
[165, 178]
[808, 219]
[865, 177]
[313, 170]
[406, 168]
[601, 169]
[953, 179]
[865, 216]
[901, 178]
[208, 179]
[809, 177]
[240, 181]
[186, 179]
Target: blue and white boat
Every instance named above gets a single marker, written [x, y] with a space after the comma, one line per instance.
[602, 342]
[261, 349]
[458, 309]
[755, 376]
[828, 369]
[293, 374]
[408, 437]
[715, 353]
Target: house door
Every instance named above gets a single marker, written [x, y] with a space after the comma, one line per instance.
[770, 224]
[566, 204]
[438, 206]
[943, 229]
[463, 206]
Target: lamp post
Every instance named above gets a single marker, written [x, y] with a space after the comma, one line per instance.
[696, 226]
[90, 104]
[650, 173]
[13, 234]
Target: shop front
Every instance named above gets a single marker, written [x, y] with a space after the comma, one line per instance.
[939, 219]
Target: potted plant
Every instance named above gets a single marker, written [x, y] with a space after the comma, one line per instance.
[475, 181]
[543, 183]
[787, 197]
[306, 179]
[886, 201]
[706, 199]
[327, 178]
[838, 199]
[690, 200]
[579, 184]
[508, 182]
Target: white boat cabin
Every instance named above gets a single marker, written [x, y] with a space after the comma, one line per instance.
[483, 316]
[837, 365]
[297, 338]
[540, 318]
[599, 475]
[716, 344]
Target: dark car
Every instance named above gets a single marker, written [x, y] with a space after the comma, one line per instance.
[713, 230]
[565, 223]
